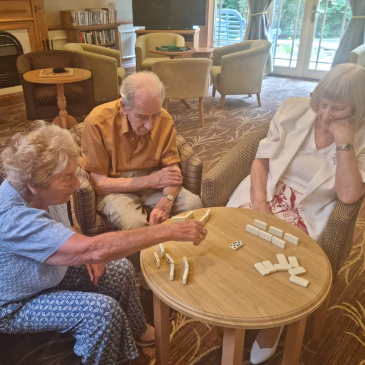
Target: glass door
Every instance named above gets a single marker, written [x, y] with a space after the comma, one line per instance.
[306, 35]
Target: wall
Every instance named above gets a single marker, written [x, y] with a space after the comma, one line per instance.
[124, 8]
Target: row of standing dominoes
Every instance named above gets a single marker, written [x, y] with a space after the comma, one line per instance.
[205, 217]
[272, 235]
[171, 262]
[183, 218]
[292, 267]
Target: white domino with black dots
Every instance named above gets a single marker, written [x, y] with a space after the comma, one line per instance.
[236, 245]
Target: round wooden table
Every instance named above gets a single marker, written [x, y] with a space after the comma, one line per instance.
[225, 289]
[63, 120]
[172, 55]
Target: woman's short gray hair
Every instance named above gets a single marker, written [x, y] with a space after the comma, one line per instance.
[343, 84]
[141, 80]
[34, 158]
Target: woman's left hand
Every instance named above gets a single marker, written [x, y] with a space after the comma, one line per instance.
[342, 130]
[96, 271]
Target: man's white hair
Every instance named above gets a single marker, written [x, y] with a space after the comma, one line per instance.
[139, 81]
[34, 158]
[345, 83]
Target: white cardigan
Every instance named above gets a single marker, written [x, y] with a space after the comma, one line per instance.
[288, 130]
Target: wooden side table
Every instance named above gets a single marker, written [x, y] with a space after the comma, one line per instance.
[172, 55]
[63, 120]
[203, 53]
[225, 289]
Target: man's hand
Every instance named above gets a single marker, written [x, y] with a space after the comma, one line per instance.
[191, 231]
[95, 271]
[161, 211]
[168, 176]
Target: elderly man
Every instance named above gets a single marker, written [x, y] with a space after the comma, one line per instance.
[129, 148]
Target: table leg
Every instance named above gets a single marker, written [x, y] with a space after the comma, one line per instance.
[63, 120]
[233, 340]
[162, 331]
[293, 342]
[186, 103]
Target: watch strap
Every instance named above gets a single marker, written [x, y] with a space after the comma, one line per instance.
[345, 147]
[169, 197]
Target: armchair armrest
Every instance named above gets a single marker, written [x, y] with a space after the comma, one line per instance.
[218, 53]
[91, 223]
[103, 51]
[220, 182]
[191, 166]
[140, 50]
[339, 232]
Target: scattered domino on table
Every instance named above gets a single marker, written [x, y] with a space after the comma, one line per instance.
[180, 219]
[172, 271]
[299, 281]
[157, 260]
[161, 250]
[282, 259]
[252, 229]
[289, 237]
[205, 217]
[293, 261]
[186, 274]
[278, 242]
[297, 271]
[269, 266]
[169, 260]
[282, 267]
[186, 264]
[236, 245]
[260, 224]
[265, 235]
[276, 231]
[261, 269]
[190, 215]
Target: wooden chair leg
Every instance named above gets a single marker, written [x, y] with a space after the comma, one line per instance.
[166, 104]
[258, 99]
[320, 318]
[201, 111]
[186, 103]
[222, 101]
[213, 91]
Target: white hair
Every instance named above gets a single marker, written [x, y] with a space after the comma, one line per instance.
[345, 83]
[34, 158]
[141, 80]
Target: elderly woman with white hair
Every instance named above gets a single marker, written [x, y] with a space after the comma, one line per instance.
[314, 154]
[44, 285]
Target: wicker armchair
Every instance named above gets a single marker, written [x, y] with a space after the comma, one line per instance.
[219, 183]
[41, 99]
[90, 221]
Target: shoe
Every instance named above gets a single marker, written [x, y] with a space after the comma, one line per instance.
[259, 355]
[147, 339]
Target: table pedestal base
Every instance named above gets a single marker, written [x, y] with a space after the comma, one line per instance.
[232, 351]
[63, 120]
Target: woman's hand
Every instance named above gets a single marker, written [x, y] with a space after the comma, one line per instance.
[342, 130]
[261, 206]
[96, 271]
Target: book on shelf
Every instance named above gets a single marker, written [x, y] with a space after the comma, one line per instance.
[98, 37]
[89, 16]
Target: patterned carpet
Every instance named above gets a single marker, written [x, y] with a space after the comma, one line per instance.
[193, 342]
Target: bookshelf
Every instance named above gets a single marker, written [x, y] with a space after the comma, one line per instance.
[104, 35]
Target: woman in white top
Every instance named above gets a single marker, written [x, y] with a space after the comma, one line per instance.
[313, 155]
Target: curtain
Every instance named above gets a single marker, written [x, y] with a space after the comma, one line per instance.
[258, 26]
[354, 35]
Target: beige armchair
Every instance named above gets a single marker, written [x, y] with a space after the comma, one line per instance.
[357, 56]
[83, 199]
[185, 79]
[106, 67]
[144, 58]
[238, 69]
[219, 183]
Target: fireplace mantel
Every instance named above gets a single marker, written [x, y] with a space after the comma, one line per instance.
[25, 14]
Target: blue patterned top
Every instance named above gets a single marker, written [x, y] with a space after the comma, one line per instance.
[28, 236]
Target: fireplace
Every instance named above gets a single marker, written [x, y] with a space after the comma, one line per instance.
[10, 49]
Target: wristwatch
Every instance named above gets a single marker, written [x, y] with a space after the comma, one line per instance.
[346, 147]
[169, 197]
